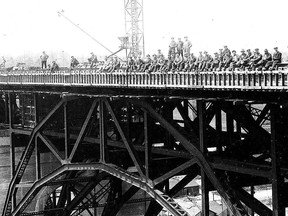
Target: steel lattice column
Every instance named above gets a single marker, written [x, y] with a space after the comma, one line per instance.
[134, 26]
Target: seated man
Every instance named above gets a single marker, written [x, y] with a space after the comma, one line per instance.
[192, 62]
[131, 64]
[154, 63]
[186, 59]
[199, 61]
[235, 61]
[207, 60]
[54, 67]
[168, 65]
[147, 63]
[267, 57]
[92, 60]
[74, 62]
[215, 62]
[161, 63]
[177, 63]
[108, 62]
[256, 58]
[276, 59]
[139, 64]
[227, 59]
[115, 64]
[242, 60]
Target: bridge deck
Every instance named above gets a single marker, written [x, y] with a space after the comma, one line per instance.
[202, 84]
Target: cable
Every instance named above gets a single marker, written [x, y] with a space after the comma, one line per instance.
[60, 13]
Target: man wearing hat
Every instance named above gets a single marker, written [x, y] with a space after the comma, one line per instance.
[267, 57]
[186, 46]
[227, 59]
[246, 59]
[226, 50]
[180, 47]
[215, 62]
[92, 60]
[115, 64]
[74, 62]
[235, 61]
[147, 63]
[159, 53]
[192, 62]
[172, 47]
[242, 57]
[277, 58]
[54, 67]
[207, 60]
[154, 63]
[44, 57]
[177, 63]
[199, 61]
[256, 58]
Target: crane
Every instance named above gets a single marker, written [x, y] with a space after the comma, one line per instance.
[134, 28]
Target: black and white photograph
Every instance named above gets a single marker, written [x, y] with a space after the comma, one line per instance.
[143, 108]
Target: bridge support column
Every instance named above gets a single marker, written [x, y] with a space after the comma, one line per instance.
[276, 156]
[11, 108]
[218, 119]
[148, 156]
[103, 131]
[201, 107]
[229, 124]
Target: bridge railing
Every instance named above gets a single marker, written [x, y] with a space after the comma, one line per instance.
[90, 77]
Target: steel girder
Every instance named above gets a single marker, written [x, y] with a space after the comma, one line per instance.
[191, 151]
[201, 158]
[159, 196]
[107, 168]
[26, 157]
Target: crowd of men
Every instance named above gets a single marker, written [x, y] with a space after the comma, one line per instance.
[180, 59]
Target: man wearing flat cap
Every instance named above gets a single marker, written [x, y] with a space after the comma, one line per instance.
[172, 47]
[92, 60]
[256, 58]
[180, 47]
[235, 61]
[242, 57]
[226, 50]
[276, 59]
[267, 57]
[186, 46]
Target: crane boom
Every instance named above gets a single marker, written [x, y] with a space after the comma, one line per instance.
[61, 13]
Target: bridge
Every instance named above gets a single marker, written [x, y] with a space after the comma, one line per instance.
[105, 131]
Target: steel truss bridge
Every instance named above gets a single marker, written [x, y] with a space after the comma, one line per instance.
[106, 130]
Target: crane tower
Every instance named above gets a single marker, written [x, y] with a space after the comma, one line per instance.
[134, 26]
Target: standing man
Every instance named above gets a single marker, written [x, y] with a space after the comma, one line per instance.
[180, 47]
[172, 47]
[44, 57]
[186, 47]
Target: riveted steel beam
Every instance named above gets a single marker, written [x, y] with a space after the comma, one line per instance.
[132, 152]
[202, 160]
[83, 130]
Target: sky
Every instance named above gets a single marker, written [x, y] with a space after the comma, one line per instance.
[28, 27]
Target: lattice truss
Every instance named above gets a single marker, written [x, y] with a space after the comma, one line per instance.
[101, 144]
[134, 26]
